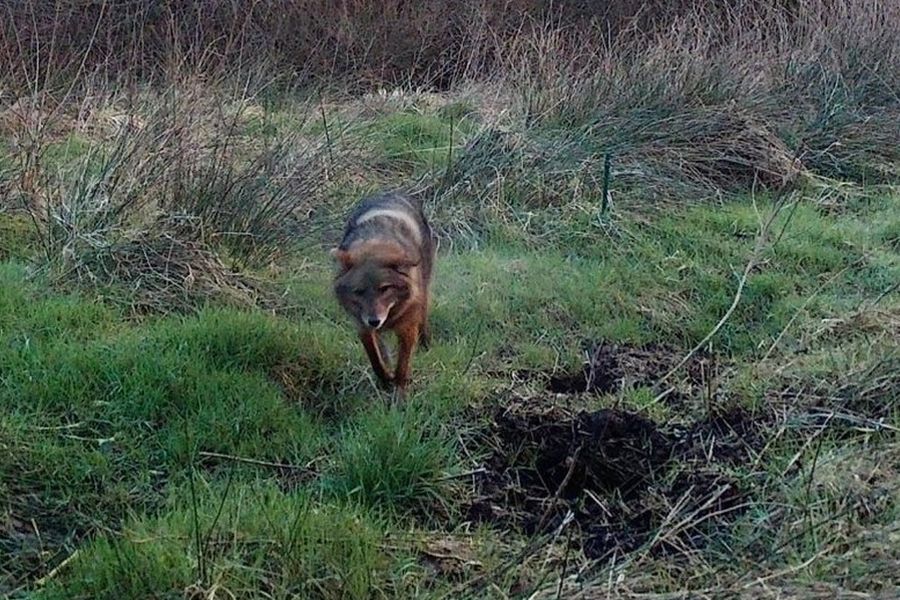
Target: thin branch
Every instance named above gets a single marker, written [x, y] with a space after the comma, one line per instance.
[260, 463]
[806, 303]
[758, 248]
[562, 486]
[55, 570]
[477, 471]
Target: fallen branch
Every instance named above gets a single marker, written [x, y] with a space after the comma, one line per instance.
[260, 463]
[55, 570]
[477, 471]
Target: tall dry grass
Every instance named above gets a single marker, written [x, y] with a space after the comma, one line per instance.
[722, 99]
[360, 41]
[689, 99]
[161, 196]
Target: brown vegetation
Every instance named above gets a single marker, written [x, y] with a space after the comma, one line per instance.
[690, 100]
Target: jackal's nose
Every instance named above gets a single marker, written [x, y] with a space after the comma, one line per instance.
[374, 322]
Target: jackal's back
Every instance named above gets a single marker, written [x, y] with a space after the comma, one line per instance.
[392, 217]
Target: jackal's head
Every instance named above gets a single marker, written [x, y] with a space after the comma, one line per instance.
[372, 285]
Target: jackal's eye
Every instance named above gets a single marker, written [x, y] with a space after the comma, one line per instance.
[359, 292]
[384, 288]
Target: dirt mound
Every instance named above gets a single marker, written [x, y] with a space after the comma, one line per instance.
[626, 480]
[730, 437]
[611, 367]
[606, 449]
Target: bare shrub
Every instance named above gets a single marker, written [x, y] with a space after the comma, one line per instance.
[360, 41]
[106, 211]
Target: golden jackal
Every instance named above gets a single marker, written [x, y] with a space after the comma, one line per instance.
[386, 257]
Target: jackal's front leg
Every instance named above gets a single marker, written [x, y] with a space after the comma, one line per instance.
[372, 343]
[425, 331]
[425, 336]
[407, 339]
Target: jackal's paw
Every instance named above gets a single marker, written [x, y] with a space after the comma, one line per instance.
[425, 340]
[398, 395]
[386, 383]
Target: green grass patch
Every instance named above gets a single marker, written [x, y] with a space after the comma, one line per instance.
[392, 458]
[414, 141]
[106, 419]
[70, 151]
[18, 237]
[237, 538]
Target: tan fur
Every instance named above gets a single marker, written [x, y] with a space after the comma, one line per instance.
[393, 214]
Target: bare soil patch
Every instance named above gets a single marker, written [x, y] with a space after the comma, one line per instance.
[34, 535]
[612, 367]
[627, 480]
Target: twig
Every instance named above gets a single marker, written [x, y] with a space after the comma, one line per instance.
[787, 571]
[806, 302]
[807, 508]
[327, 133]
[215, 522]
[56, 427]
[201, 550]
[805, 446]
[55, 570]
[477, 471]
[891, 289]
[761, 238]
[447, 171]
[475, 344]
[562, 486]
[734, 304]
[260, 463]
[592, 368]
[565, 565]
[666, 530]
[859, 421]
[787, 222]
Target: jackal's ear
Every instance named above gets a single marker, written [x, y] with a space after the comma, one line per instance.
[342, 257]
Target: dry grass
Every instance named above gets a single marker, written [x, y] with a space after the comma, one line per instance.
[163, 270]
[690, 100]
[717, 102]
[690, 106]
[363, 42]
[151, 190]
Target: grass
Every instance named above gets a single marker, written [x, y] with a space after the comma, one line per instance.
[410, 140]
[186, 411]
[252, 537]
[105, 417]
